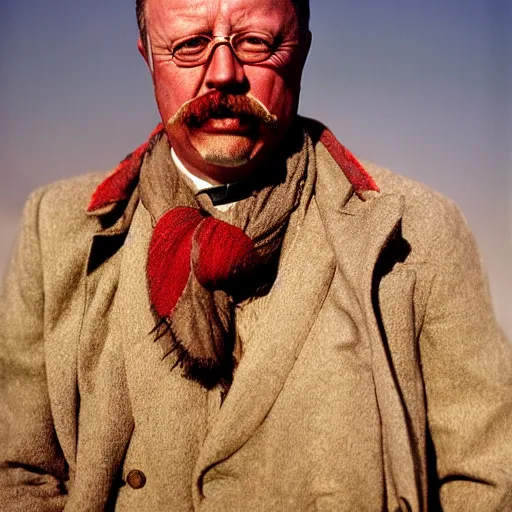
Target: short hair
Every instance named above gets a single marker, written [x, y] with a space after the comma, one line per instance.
[301, 6]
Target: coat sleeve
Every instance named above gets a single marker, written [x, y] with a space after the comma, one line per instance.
[32, 466]
[467, 368]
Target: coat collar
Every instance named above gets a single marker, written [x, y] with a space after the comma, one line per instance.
[118, 187]
[114, 201]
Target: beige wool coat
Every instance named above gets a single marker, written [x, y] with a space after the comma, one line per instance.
[387, 285]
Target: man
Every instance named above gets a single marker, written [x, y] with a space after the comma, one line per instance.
[241, 317]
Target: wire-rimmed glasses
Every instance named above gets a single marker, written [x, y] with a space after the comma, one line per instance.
[248, 47]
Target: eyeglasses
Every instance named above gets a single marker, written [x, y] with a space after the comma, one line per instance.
[248, 47]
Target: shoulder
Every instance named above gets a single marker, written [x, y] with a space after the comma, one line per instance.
[63, 204]
[68, 197]
[417, 196]
[57, 213]
[428, 215]
[53, 238]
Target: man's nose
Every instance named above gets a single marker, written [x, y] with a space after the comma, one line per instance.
[225, 71]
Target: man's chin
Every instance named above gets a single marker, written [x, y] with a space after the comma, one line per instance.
[226, 150]
[222, 160]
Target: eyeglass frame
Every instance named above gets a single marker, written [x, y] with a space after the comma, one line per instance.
[214, 43]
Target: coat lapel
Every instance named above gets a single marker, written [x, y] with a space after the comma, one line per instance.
[387, 296]
[64, 346]
[293, 306]
[359, 232]
[398, 320]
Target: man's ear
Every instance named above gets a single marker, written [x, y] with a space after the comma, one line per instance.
[142, 49]
[145, 51]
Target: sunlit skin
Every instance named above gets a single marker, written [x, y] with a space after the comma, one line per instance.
[275, 83]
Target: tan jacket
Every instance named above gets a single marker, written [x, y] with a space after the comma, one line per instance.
[86, 397]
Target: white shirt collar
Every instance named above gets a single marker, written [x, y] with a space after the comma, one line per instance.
[199, 183]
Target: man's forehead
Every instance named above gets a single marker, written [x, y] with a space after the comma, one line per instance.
[181, 12]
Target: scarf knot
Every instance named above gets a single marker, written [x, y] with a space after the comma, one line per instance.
[185, 240]
[221, 254]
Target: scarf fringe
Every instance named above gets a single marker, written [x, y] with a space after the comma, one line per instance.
[206, 372]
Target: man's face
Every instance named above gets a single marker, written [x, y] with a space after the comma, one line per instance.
[225, 146]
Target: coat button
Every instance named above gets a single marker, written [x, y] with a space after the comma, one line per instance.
[136, 479]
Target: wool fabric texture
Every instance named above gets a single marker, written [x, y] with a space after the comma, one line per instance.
[203, 262]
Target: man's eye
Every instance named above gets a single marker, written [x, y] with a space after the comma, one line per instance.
[252, 43]
[191, 46]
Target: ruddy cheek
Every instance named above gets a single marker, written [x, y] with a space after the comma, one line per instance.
[269, 88]
[172, 90]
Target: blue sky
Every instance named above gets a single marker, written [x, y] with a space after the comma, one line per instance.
[423, 88]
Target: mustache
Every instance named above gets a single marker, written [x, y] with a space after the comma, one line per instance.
[216, 104]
